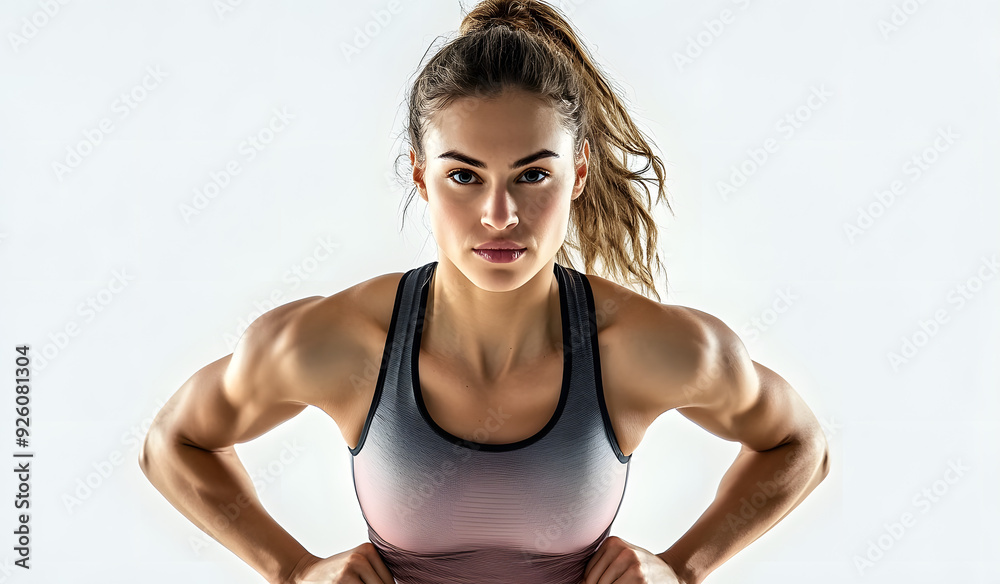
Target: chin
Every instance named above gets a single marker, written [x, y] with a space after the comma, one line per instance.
[499, 277]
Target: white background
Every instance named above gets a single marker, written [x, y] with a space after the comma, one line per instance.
[192, 282]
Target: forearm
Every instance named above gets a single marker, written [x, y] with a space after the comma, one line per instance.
[215, 492]
[757, 491]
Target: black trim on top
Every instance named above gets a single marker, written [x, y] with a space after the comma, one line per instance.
[595, 349]
[383, 366]
[564, 391]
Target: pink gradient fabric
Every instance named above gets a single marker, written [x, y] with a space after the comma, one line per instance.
[442, 509]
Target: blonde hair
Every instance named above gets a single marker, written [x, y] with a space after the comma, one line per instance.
[527, 44]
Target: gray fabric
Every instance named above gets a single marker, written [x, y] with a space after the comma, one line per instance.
[445, 510]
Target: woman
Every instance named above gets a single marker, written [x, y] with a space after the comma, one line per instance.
[491, 400]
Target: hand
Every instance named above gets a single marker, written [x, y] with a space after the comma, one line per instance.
[620, 562]
[360, 565]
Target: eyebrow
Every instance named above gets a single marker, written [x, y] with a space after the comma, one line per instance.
[456, 155]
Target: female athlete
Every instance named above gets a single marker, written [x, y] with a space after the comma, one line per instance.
[492, 399]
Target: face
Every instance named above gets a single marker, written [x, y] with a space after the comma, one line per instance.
[500, 168]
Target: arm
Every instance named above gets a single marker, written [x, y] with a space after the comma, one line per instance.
[188, 453]
[784, 454]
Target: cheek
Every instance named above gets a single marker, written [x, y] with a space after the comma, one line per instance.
[448, 212]
[449, 205]
[545, 207]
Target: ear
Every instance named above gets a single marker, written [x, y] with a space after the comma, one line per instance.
[418, 176]
[582, 165]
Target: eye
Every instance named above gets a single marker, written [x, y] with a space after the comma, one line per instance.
[537, 172]
[465, 177]
[460, 172]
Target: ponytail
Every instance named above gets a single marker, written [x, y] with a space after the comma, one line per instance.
[529, 44]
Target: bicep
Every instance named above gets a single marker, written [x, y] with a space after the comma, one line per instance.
[213, 414]
[238, 397]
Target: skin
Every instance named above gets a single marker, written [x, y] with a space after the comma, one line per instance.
[497, 318]
[492, 337]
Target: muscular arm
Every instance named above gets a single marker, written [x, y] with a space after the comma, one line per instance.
[784, 454]
[188, 453]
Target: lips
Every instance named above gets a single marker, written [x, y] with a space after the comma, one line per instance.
[500, 256]
[499, 244]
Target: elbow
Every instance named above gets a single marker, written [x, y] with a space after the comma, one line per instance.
[816, 454]
[150, 444]
[144, 456]
[823, 448]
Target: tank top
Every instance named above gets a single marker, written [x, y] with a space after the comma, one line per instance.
[443, 509]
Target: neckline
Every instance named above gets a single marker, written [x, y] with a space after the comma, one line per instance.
[563, 392]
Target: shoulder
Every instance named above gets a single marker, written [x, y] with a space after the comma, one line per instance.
[323, 345]
[629, 317]
[362, 304]
[660, 354]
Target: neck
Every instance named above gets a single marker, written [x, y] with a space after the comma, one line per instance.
[491, 333]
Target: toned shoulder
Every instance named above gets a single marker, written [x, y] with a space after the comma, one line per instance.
[623, 312]
[333, 339]
[650, 350]
[362, 302]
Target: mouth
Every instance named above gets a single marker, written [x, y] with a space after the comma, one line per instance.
[500, 256]
[499, 244]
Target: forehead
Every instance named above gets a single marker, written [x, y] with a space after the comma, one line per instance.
[501, 128]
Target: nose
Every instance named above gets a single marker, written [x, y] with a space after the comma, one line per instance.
[500, 211]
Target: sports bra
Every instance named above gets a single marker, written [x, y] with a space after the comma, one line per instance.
[443, 509]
